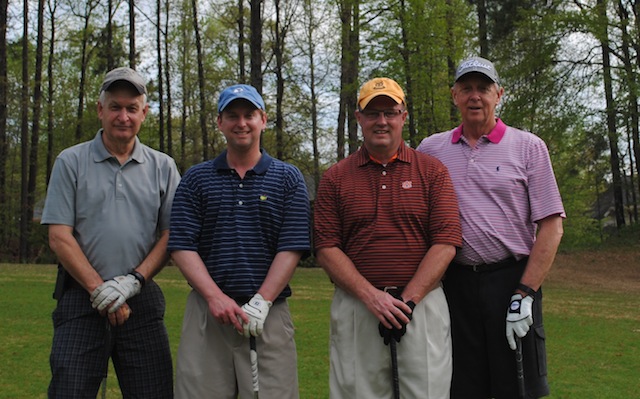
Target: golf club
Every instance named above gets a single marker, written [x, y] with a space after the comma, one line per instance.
[107, 345]
[394, 369]
[520, 368]
[254, 366]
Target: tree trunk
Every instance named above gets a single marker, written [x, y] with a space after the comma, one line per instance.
[632, 107]
[352, 76]
[24, 138]
[256, 44]
[50, 116]
[614, 159]
[185, 95]
[482, 28]
[132, 34]
[241, 39]
[278, 50]
[110, 59]
[160, 77]
[201, 84]
[167, 78]
[35, 128]
[312, 88]
[349, 16]
[406, 60]
[4, 4]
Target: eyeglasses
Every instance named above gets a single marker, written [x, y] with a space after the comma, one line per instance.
[389, 114]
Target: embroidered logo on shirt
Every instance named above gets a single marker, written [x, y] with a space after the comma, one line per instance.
[263, 197]
[407, 184]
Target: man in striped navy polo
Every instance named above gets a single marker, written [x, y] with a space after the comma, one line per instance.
[507, 192]
[386, 227]
[241, 225]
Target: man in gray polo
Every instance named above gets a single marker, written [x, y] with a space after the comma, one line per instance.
[108, 207]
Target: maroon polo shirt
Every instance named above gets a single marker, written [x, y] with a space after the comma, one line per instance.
[386, 217]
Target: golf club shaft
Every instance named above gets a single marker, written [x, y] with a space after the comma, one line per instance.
[520, 368]
[394, 369]
[254, 366]
[107, 351]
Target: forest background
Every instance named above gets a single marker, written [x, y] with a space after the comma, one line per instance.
[569, 68]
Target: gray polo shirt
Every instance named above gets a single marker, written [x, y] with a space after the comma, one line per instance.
[116, 211]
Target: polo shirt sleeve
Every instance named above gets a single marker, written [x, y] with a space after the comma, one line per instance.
[326, 223]
[444, 223]
[186, 215]
[295, 232]
[60, 202]
[544, 195]
[171, 181]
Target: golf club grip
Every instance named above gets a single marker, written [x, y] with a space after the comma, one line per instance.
[254, 366]
[520, 368]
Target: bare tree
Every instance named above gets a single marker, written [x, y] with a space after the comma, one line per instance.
[110, 58]
[632, 107]
[132, 34]
[85, 52]
[51, 58]
[349, 68]
[614, 159]
[4, 4]
[160, 77]
[241, 40]
[256, 44]
[24, 137]
[201, 83]
[167, 74]
[310, 35]
[35, 127]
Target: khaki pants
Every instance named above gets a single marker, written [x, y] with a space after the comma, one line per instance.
[361, 363]
[213, 359]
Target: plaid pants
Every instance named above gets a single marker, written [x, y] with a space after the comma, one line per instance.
[83, 341]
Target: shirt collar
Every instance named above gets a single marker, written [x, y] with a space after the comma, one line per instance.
[364, 157]
[220, 162]
[100, 152]
[495, 135]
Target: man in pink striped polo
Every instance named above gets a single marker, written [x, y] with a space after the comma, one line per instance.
[511, 214]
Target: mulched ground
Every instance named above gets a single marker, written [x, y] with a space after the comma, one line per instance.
[610, 270]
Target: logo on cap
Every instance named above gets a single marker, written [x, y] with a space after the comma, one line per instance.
[480, 65]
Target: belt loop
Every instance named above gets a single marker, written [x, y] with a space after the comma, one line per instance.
[475, 268]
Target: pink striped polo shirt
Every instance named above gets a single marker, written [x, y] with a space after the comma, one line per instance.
[504, 186]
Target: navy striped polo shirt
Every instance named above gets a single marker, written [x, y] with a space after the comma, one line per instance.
[236, 225]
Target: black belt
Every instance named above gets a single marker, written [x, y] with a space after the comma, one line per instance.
[490, 267]
[241, 300]
[392, 289]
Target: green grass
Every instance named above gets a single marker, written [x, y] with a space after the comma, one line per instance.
[593, 336]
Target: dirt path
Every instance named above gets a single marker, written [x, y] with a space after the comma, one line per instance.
[600, 270]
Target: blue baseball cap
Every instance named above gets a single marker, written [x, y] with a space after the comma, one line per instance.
[240, 92]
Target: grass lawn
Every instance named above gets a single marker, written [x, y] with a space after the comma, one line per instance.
[591, 319]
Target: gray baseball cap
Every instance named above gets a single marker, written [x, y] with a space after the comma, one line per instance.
[479, 65]
[124, 74]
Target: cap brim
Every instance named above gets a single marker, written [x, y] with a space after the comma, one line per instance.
[366, 100]
[224, 105]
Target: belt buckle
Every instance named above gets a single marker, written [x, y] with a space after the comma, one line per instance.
[391, 288]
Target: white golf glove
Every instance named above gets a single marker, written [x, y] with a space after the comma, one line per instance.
[115, 292]
[519, 318]
[257, 309]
